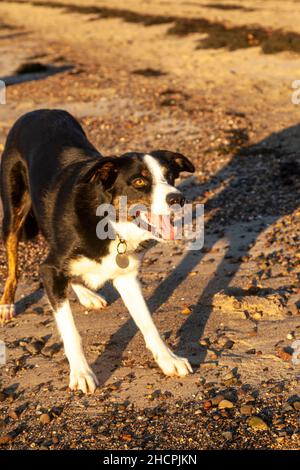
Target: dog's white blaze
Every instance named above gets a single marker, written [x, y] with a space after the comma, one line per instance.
[161, 188]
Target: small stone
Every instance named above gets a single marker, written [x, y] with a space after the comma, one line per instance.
[211, 355]
[246, 409]
[296, 405]
[256, 316]
[227, 435]
[5, 439]
[204, 342]
[216, 400]
[287, 407]
[284, 354]
[230, 382]
[2, 396]
[186, 311]
[251, 351]
[45, 418]
[12, 414]
[207, 404]
[257, 424]
[224, 404]
[52, 349]
[229, 344]
[230, 375]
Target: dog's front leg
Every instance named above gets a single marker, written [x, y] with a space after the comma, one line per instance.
[81, 375]
[130, 291]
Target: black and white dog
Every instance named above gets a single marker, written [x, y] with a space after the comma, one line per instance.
[53, 180]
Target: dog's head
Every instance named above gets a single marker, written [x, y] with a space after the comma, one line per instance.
[148, 182]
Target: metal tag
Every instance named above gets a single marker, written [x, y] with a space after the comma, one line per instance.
[122, 261]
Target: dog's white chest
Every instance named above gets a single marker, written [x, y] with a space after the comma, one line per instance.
[95, 274]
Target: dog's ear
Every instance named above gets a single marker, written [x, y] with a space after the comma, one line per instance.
[105, 172]
[178, 161]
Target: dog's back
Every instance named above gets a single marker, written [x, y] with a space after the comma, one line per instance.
[39, 146]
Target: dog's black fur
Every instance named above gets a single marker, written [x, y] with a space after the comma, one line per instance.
[52, 181]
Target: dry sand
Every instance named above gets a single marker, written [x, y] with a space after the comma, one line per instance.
[213, 81]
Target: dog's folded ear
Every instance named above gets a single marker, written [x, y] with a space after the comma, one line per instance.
[178, 161]
[103, 172]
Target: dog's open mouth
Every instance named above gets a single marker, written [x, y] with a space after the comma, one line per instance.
[160, 225]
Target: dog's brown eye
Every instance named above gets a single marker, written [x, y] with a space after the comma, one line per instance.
[139, 182]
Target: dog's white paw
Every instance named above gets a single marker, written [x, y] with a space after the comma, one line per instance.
[7, 313]
[172, 365]
[89, 299]
[93, 301]
[84, 380]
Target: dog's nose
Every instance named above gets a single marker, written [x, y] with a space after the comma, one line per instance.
[175, 198]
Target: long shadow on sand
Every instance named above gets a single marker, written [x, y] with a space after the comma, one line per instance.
[218, 34]
[44, 72]
[260, 187]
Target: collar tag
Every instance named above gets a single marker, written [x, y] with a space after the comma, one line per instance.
[122, 258]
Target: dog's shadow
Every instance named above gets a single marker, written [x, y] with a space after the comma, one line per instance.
[25, 302]
[270, 167]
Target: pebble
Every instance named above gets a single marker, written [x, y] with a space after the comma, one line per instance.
[283, 354]
[287, 407]
[230, 382]
[296, 405]
[45, 418]
[246, 409]
[12, 414]
[257, 424]
[224, 404]
[251, 351]
[207, 404]
[229, 344]
[186, 311]
[209, 365]
[217, 399]
[52, 349]
[5, 439]
[211, 355]
[230, 375]
[227, 435]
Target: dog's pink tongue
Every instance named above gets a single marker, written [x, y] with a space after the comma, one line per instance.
[167, 229]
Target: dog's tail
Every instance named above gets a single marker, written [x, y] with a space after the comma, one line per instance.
[18, 213]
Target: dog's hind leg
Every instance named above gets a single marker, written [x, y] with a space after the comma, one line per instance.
[16, 205]
[89, 299]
